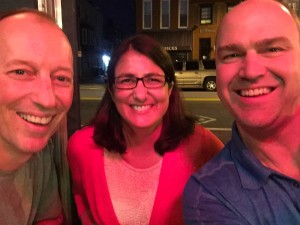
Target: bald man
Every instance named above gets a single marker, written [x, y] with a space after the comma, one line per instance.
[256, 177]
[36, 89]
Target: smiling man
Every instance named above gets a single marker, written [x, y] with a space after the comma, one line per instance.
[36, 89]
[256, 178]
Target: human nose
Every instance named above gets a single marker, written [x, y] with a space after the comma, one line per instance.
[44, 92]
[252, 66]
[140, 91]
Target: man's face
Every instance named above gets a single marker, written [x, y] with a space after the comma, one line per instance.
[258, 64]
[36, 83]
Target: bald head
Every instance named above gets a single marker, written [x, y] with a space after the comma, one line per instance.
[262, 13]
[33, 27]
[20, 12]
[28, 17]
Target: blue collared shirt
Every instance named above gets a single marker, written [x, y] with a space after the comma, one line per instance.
[235, 188]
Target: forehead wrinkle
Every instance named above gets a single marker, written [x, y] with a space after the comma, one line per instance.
[270, 41]
[259, 43]
[18, 62]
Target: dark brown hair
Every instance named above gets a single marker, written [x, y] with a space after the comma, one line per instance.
[177, 124]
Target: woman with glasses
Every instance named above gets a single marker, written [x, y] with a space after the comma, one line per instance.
[131, 163]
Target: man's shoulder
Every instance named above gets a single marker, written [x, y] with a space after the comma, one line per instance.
[219, 169]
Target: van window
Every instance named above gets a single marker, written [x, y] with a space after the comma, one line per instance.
[192, 65]
[178, 65]
[209, 64]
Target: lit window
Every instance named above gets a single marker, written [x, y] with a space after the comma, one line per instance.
[53, 8]
[183, 13]
[165, 13]
[294, 4]
[147, 14]
[206, 14]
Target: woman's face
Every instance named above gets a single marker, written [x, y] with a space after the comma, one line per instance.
[140, 107]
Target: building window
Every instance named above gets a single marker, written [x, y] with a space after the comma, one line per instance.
[183, 13]
[147, 14]
[206, 14]
[294, 4]
[53, 8]
[165, 14]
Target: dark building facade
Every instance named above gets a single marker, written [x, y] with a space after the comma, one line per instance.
[186, 28]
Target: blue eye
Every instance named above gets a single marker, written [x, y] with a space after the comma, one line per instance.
[20, 72]
[274, 49]
[233, 55]
[61, 78]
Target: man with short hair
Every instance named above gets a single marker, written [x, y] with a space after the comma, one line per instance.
[256, 177]
[36, 90]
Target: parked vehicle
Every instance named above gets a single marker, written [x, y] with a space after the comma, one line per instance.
[196, 74]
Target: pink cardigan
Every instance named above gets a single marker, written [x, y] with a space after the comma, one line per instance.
[90, 190]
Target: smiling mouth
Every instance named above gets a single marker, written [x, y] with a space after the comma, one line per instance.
[35, 119]
[141, 108]
[255, 92]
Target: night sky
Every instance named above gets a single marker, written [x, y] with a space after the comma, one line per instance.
[122, 12]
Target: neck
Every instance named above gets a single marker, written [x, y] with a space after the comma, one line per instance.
[277, 148]
[11, 161]
[140, 152]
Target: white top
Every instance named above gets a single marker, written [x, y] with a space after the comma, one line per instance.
[132, 191]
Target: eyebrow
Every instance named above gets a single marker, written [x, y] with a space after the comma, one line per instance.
[32, 65]
[17, 62]
[264, 42]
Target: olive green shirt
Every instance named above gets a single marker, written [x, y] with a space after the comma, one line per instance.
[30, 194]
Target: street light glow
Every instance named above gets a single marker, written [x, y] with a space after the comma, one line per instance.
[106, 60]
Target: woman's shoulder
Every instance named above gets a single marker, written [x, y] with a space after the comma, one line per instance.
[202, 133]
[86, 131]
[81, 137]
[202, 145]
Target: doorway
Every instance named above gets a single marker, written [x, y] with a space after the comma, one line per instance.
[204, 48]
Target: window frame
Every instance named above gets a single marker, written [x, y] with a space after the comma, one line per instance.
[53, 8]
[179, 13]
[150, 15]
[167, 15]
[206, 20]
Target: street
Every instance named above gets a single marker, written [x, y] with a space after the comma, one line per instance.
[205, 105]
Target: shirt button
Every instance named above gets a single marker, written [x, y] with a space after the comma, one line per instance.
[296, 184]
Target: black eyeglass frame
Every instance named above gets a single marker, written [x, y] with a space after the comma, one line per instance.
[137, 79]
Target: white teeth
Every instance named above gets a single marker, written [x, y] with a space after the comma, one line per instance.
[36, 119]
[255, 92]
[141, 108]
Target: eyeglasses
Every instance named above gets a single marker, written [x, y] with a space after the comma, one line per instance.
[149, 81]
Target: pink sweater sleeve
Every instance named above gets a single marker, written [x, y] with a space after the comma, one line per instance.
[74, 154]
